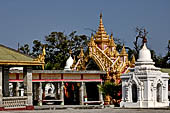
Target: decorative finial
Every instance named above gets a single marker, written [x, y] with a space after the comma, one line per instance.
[133, 60]
[81, 55]
[112, 43]
[144, 36]
[144, 40]
[91, 34]
[44, 52]
[100, 15]
[111, 35]
[123, 52]
[92, 43]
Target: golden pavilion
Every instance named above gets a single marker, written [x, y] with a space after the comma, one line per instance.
[102, 49]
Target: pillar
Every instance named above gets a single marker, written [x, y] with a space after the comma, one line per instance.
[17, 88]
[27, 75]
[57, 90]
[81, 93]
[40, 94]
[5, 81]
[62, 93]
[101, 96]
[1, 95]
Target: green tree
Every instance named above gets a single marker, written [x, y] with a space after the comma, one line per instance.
[57, 46]
[25, 49]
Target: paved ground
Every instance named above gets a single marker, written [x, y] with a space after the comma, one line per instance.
[105, 110]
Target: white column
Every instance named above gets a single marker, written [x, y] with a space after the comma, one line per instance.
[62, 93]
[17, 88]
[166, 90]
[27, 74]
[101, 96]
[1, 95]
[81, 93]
[40, 94]
[56, 90]
[139, 94]
[129, 96]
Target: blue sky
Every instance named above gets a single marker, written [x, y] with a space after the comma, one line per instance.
[26, 20]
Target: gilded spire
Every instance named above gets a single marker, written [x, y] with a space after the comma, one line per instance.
[101, 26]
[100, 15]
[44, 52]
[112, 43]
[92, 43]
[116, 53]
[81, 55]
[123, 52]
[133, 60]
[101, 33]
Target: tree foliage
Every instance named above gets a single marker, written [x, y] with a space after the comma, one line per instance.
[57, 46]
[25, 49]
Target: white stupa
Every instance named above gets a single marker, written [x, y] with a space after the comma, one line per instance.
[144, 54]
[69, 63]
[145, 86]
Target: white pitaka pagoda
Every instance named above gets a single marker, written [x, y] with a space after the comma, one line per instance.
[69, 62]
[145, 86]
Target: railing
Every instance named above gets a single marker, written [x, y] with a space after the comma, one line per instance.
[14, 102]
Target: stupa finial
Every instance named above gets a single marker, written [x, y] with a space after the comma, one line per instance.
[144, 40]
[123, 52]
[100, 15]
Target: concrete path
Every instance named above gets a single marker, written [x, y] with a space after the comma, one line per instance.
[104, 110]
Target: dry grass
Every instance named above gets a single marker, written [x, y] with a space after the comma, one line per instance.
[166, 70]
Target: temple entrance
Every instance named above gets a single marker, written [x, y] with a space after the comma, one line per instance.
[71, 93]
[92, 65]
[134, 93]
[92, 91]
[159, 92]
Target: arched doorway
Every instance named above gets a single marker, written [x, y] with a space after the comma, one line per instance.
[158, 93]
[92, 65]
[134, 93]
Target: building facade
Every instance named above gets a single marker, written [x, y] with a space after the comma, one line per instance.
[60, 87]
[145, 86]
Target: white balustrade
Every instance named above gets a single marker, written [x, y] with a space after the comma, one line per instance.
[14, 102]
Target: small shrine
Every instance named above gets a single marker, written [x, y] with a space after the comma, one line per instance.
[145, 86]
[102, 50]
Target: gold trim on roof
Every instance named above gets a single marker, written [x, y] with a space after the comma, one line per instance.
[91, 43]
[111, 42]
[101, 34]
[132, 62]
[81, 55]
[8, 62]
[123, 52]
[41, 57]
